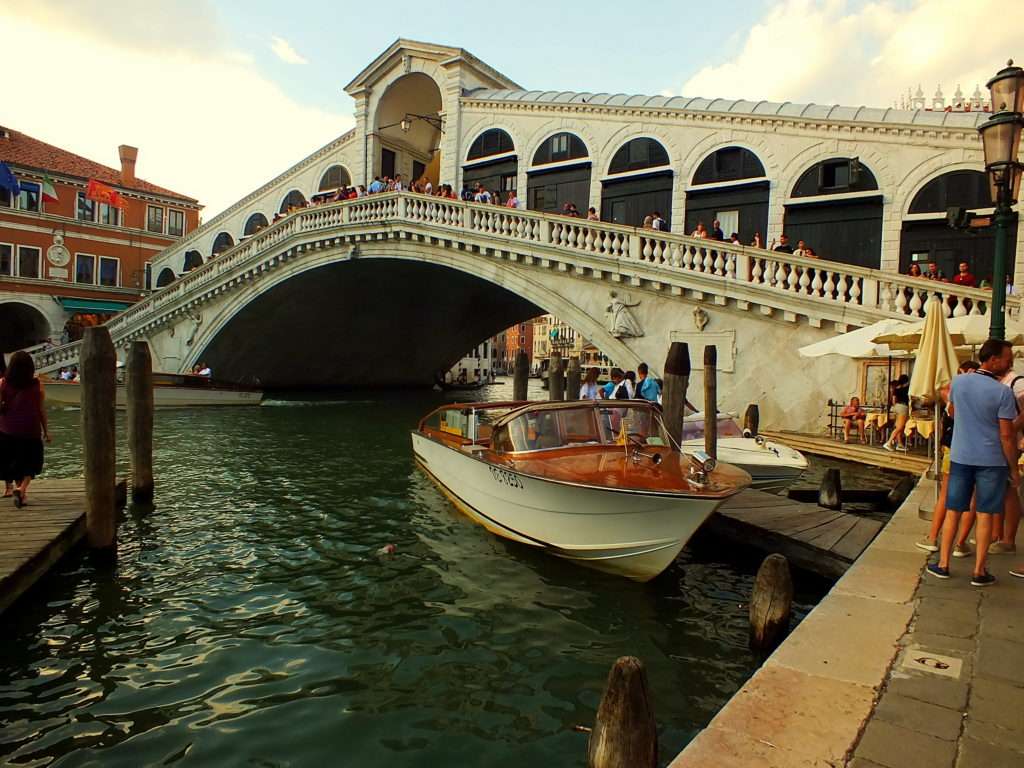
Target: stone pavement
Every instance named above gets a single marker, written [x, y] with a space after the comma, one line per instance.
[954, 697]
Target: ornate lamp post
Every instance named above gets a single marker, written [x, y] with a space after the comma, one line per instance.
[1000, 137]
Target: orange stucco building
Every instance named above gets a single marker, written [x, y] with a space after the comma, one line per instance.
[72, 262]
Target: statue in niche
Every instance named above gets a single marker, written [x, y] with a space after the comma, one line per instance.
[621, 322]
[700, 318]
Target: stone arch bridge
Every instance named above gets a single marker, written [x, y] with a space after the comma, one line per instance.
[387, 289]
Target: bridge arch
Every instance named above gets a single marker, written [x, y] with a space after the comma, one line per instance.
[638, 181]
[491, 161]
[730, 184]
[407, 128]
[333, 178]
[294, 198]
[254, 224]
[21, 325]
[223, 241]
[560, 172]
[165, 278]
[193, 259]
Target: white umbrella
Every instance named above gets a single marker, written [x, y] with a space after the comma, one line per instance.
[859, 343]
[936, 363]
[966, 331]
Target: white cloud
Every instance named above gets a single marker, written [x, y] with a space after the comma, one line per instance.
[285, 52]
[834, 51]
[206, 122]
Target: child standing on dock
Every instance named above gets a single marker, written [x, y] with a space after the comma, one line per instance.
[23, 424]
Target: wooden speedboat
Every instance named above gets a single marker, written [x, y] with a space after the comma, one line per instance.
[595, 482]
[170, 390]
[772, 466]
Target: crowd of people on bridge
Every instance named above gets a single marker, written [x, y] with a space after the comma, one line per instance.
[23, 425]
[624, 385]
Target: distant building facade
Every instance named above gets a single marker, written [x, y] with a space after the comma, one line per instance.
[72, 262]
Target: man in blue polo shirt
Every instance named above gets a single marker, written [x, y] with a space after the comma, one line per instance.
[646, 387]
[983, 456]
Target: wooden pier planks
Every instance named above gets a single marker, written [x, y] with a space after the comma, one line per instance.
[812, 537]
[872, 455]
[35, 537]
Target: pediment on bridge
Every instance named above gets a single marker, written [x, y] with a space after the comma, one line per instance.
[473, 71]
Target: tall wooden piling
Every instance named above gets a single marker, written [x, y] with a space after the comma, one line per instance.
[673, 395]
[751, 420]
[140, 420]
[771, 604]
[98, 366]
[830, 493]
[520, 376]
[556, 377]
[625, 734]
[573, 377]
[711, 400]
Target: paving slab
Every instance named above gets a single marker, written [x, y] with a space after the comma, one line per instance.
[920, 716]
[933, 689]
[883, 574]
[941, 643]
[1005, 738]
[978, 754]
[896, 747]
[724, 748]
[997, 702]
[1002, 659]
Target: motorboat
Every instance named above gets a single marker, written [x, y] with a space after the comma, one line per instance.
[772, 466]
[594, 482]
[170, 390]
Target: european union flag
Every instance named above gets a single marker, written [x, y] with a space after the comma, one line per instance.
[8, 180]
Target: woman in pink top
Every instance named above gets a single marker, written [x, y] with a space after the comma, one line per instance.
[23, 425]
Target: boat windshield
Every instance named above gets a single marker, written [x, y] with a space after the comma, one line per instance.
[474, 424]
[693, 429]
[548, 428]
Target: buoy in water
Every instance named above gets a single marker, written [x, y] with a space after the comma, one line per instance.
[387, 549]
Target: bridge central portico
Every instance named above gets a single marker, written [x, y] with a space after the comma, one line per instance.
[504, 266]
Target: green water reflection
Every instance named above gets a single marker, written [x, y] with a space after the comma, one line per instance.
[249, 619]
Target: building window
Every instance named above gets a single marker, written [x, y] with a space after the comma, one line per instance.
[29, 259]
[149, 276]
[28, 198]
[86, 210]
[6, 259]
[109, 215]
[85, 268]
[5, 198]
[175, 222]
[154, 219]
[109, 271]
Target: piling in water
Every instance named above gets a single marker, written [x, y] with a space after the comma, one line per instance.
[140, 420]
[830, 494]
[625, 733]
[711, 401]
[673, 396]
[771, 604]
[556, 377]
[520, 376]
[573, 378]
[98, 365]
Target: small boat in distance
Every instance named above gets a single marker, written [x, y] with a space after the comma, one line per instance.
[594, 482]
[170, 390]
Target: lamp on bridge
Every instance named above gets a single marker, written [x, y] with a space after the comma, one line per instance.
[1000, 137]
[434, 120]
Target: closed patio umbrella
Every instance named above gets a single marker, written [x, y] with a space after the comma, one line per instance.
[936, 363]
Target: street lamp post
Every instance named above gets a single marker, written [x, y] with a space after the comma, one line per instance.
[1000, 137]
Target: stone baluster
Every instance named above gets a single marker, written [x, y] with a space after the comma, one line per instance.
[816, 283]
[855, 291]
[780, 275]
[915, 303]
[805, 280]
[758, 270]
[719, 262]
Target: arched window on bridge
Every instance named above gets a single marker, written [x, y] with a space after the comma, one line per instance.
[334, 177]
[550, 188]
[166, 277]
[926, 237]
[639, 183]
[254, 224]
[293, 199]
[491, 161]
[730, 186]
[838, 220]
[222, 243]
[193, 259]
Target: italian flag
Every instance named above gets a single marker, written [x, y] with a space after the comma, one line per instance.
[49, 193]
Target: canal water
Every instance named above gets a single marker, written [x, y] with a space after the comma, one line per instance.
[250, 621]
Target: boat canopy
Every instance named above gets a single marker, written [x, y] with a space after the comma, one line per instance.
[549, 426]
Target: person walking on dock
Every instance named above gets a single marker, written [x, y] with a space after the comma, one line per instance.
[5, 470]
[983, 456]
[23, 424]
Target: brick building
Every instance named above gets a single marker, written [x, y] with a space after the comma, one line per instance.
[70, 263]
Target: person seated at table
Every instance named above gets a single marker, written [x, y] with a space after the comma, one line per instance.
[853, 416]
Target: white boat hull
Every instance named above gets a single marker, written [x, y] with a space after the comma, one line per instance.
[68, 393]
[773, 467]
[628, 533]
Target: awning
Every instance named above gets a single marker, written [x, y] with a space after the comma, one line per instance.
[92, 305]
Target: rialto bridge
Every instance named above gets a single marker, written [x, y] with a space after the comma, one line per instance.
[387, 289]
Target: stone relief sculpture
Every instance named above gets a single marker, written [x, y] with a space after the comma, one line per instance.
[621, 322]
[700, 318]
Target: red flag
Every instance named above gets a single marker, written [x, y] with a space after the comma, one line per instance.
[101, 193]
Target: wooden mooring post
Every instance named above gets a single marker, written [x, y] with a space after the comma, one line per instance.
[711, 401]
[771, 604]
[556, 377]
[751, 420]
[98, 364]
[140, 420]
[673, 396]
[625, 733]
[830, 494]
[573, 379]
[520, 376]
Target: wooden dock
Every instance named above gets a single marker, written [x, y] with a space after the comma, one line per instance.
[811, 537]
[872, 455]
[35, 537]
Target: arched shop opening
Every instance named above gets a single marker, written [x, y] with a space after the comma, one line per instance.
[222, 243]
[407, 130]
[21, 326]
[334, 178]
[730, 185]
[166, 277]
[254, 224]
[925, 235]
[639, 183]
[492, 162]
[842, 218]
[560, 174]
[293, 199]
[193, 259]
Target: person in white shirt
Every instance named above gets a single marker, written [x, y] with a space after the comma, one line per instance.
[589, 389]
[204, 370]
